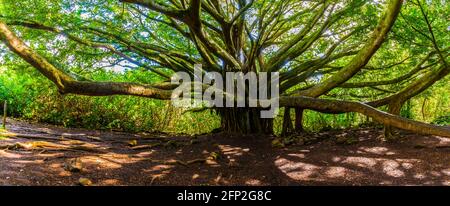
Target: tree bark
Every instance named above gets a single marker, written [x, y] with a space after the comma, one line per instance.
[394, 108]
[287, 122]
[244, 121]
[299, 120]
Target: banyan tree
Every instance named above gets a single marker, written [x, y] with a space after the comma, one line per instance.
[332, 56]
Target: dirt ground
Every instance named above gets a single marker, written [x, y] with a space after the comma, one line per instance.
[219, 159]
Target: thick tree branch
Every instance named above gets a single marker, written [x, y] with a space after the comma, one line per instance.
[325, 105]
[67, 84]
[363, 57]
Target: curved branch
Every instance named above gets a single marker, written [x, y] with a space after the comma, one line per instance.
[415, 70]
[364, 55]
[325, 105]
[67, 84]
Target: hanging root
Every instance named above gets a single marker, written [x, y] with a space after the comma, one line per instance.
[146, 146]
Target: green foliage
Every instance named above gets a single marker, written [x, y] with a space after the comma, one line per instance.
[442, 120]
[37, 99]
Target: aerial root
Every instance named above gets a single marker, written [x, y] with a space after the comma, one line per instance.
[145, 146]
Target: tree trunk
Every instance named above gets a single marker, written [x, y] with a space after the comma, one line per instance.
[394, 108]
[244, 121]
[288, 128]
[299, 120]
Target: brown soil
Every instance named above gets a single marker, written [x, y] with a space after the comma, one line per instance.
[225, 159]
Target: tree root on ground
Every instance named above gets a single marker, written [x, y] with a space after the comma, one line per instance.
[48, 146]
[32, 136]
[145, 146]
[27, 136]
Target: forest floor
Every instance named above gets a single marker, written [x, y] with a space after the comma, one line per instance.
[149, 159]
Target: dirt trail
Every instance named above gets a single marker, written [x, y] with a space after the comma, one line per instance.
[223, 159]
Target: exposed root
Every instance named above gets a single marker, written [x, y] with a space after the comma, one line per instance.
[27, 136]
[98, 139]
[48, 146]
[146, 146]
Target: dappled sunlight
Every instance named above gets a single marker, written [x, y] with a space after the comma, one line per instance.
[375, 150]
[222, 161]
[110, 182]
[303, 171]
[58, 169]
[391, 168]
[419, 176]
[253, 182]
[335, 172]
[436, 173]
[64, 173]
[143, 154]
[381, 162]
[361, 161]
[164, 169]
[446, 171]
[195, 176]
[407, 165]
[297, 155]
[296, 170]
[55, 165]
[100, 162]
[442, 140]
[231, 153]
[158, 171]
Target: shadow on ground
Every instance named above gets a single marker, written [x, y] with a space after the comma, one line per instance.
[226, 160]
